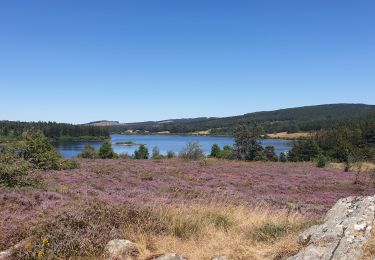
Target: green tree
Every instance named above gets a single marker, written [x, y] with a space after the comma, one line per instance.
[247, 145]
[305, 151]
[141, 153]
[106, 151]
[215, 151]
[228, 153]
[36, 149]
[269, 154]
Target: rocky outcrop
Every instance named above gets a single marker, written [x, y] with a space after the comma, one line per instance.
[171, 256]
[119, 249]
[346, 229]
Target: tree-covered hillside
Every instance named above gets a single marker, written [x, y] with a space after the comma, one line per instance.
[52, 130]
[308, 118]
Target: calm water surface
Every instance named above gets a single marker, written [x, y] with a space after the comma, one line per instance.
[164, 142]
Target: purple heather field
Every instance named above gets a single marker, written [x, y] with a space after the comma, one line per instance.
[310, 190]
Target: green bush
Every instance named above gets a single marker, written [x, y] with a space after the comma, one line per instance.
[283, 157]
[228, 153]
[89, 152]
[106, 151]
[141, 153]
[66, 164]
[170, 154]
[15, 171]
[269, 154]
[35, 148]
[304, 151]
[270, 232]
[321, 161]
[192, 151]
[215, 151]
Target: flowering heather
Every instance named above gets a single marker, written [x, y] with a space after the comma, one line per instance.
[306, 189]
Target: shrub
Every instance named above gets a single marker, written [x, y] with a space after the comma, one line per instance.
[170, 154]
[321, 161]
[192, 151]
[283, 157]
[215, 151]
[269, 154]
[156, 153]
[124, 156]
[270, 232]
[106, 151]
[88, 152]
[228, 153]
[304, 151]
[15, 171]
[35, 148]
[141, 153]
[66, 164]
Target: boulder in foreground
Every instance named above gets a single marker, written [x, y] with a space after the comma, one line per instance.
[119, 249]
[346, 228]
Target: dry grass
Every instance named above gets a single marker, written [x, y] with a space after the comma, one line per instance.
[286, 135]
[363, 166]
[369, 248]
[195, 231]
[202, 232]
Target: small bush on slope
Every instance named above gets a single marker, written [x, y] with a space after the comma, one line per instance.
[106, 151]
[35, 148]
[15, 171]
[88, 152]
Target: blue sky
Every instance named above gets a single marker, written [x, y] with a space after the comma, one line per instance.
[78, 61]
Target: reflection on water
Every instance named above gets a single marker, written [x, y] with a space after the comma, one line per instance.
[164, 142]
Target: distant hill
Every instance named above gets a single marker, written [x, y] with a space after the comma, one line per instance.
[103, 123]
[307, 118]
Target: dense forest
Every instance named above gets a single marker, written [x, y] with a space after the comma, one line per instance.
[52, 130]
[309, 118]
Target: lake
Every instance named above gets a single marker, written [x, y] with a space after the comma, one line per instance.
[164, 142]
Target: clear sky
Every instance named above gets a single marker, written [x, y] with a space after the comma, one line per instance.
[78, 61]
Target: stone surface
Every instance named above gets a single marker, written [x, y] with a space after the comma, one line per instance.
[222, 257]
[119, 249]
[345, 230]
[171, 256]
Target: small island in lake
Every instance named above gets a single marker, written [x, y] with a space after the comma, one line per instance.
[128, 143]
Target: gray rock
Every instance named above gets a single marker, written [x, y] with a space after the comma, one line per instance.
[119, 249]
[222, 257]
[171, 256]
[345, 230]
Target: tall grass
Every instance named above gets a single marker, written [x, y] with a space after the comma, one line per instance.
[195, 231]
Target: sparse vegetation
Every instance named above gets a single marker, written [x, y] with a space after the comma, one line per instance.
[89, 152]
[192, 151]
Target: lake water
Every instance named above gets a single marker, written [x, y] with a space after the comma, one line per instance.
[164, 142]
